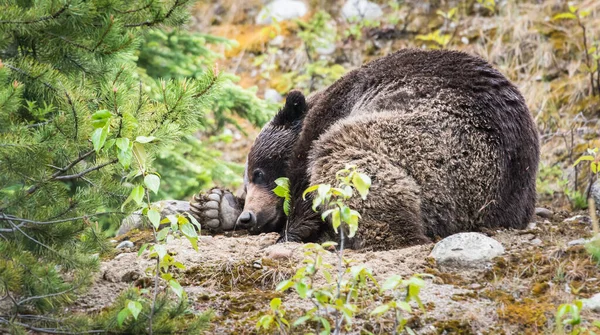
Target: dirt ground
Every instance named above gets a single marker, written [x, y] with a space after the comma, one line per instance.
[518, 293]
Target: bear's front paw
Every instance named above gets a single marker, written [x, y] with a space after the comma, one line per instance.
[216, 210]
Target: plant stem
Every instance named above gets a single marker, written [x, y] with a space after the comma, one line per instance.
[338, 318]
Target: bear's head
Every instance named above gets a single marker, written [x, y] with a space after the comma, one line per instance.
[267, 161]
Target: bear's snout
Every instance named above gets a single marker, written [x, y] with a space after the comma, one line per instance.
[246, 219]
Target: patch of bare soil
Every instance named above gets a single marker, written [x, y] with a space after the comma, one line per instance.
[519, 293]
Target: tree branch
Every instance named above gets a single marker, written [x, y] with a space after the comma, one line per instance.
[43, 18]
[86, 171]
[157, 20]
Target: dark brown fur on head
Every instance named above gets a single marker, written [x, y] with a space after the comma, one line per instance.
[267, 161]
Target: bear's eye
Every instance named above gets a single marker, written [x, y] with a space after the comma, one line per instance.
[258, 177]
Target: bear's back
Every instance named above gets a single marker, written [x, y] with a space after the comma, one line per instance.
[458, 127]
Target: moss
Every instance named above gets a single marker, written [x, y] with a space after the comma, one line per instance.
[453, 327]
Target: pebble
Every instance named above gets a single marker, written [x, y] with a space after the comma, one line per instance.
[361, 10]
[578, 218]
[125, 244]
[279, 252]
[281, 10]
[544, 212]
[272, 95]
[592, 303]
[580, 241]
[466, 250]
[536, 241]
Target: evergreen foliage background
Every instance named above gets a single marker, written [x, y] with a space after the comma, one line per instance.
[78, 96]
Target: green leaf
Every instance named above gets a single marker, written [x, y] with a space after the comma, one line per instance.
[301, 320]
[123, 314]
[188, 230]
[193, 220]
[99, 137]
[275, 304]
[335, 219]
[152, 181]
[144, 246]
[309, 190]
[140, 154]
[284, 285]
[135, 308]
[154, 217]
[362, 183]
[100, 118]
[144, 139]
[125, 157]
[162, 234]
[176, 287]
[391, 283]
[122, 143]
[194, 242]
[137, 194]
[405, 306]
[326, 214]
[160, 250]
[566, 16]
[302, 289]
[265, 322]
[286, 207]
[380, 310]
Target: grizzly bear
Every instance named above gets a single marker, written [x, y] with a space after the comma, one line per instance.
[447, 140]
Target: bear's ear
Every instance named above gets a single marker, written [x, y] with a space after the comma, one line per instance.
[294, 109]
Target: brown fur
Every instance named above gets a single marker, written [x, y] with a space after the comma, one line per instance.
[448, 141]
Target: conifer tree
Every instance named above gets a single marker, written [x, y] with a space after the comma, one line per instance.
[74, 113]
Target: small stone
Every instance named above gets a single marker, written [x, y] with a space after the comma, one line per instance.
[279, 252]
[475, 286]
[578, 219]
[536, 241]
[272, 95]
[466, 250]
[528, 237]
[592, 303]
[257, 264]
[125, 244]
[544, 212]
[358, 10]
[579, 241]
[595, 193]
[532, 225]
[281, 10]
[277, 41]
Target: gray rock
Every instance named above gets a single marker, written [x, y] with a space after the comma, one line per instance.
[544, 212]
[595, 193]
[592, 303]
[536, 241]
[125, 244]
[466, 250]
[580, 241]
[578, 219]
[357, 10]
[272, 95]
[281, 10]
[167, 207]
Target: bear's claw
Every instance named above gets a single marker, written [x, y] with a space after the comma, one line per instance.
[217, 210]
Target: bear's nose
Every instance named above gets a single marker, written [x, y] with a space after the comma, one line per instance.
[247, 218]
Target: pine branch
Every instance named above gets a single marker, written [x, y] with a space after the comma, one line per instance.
[48, 330]
[59, 172]
[41, 19]
[16, 69]
[7, 217]
[74, 114]
[157, 20]
[86, 171]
